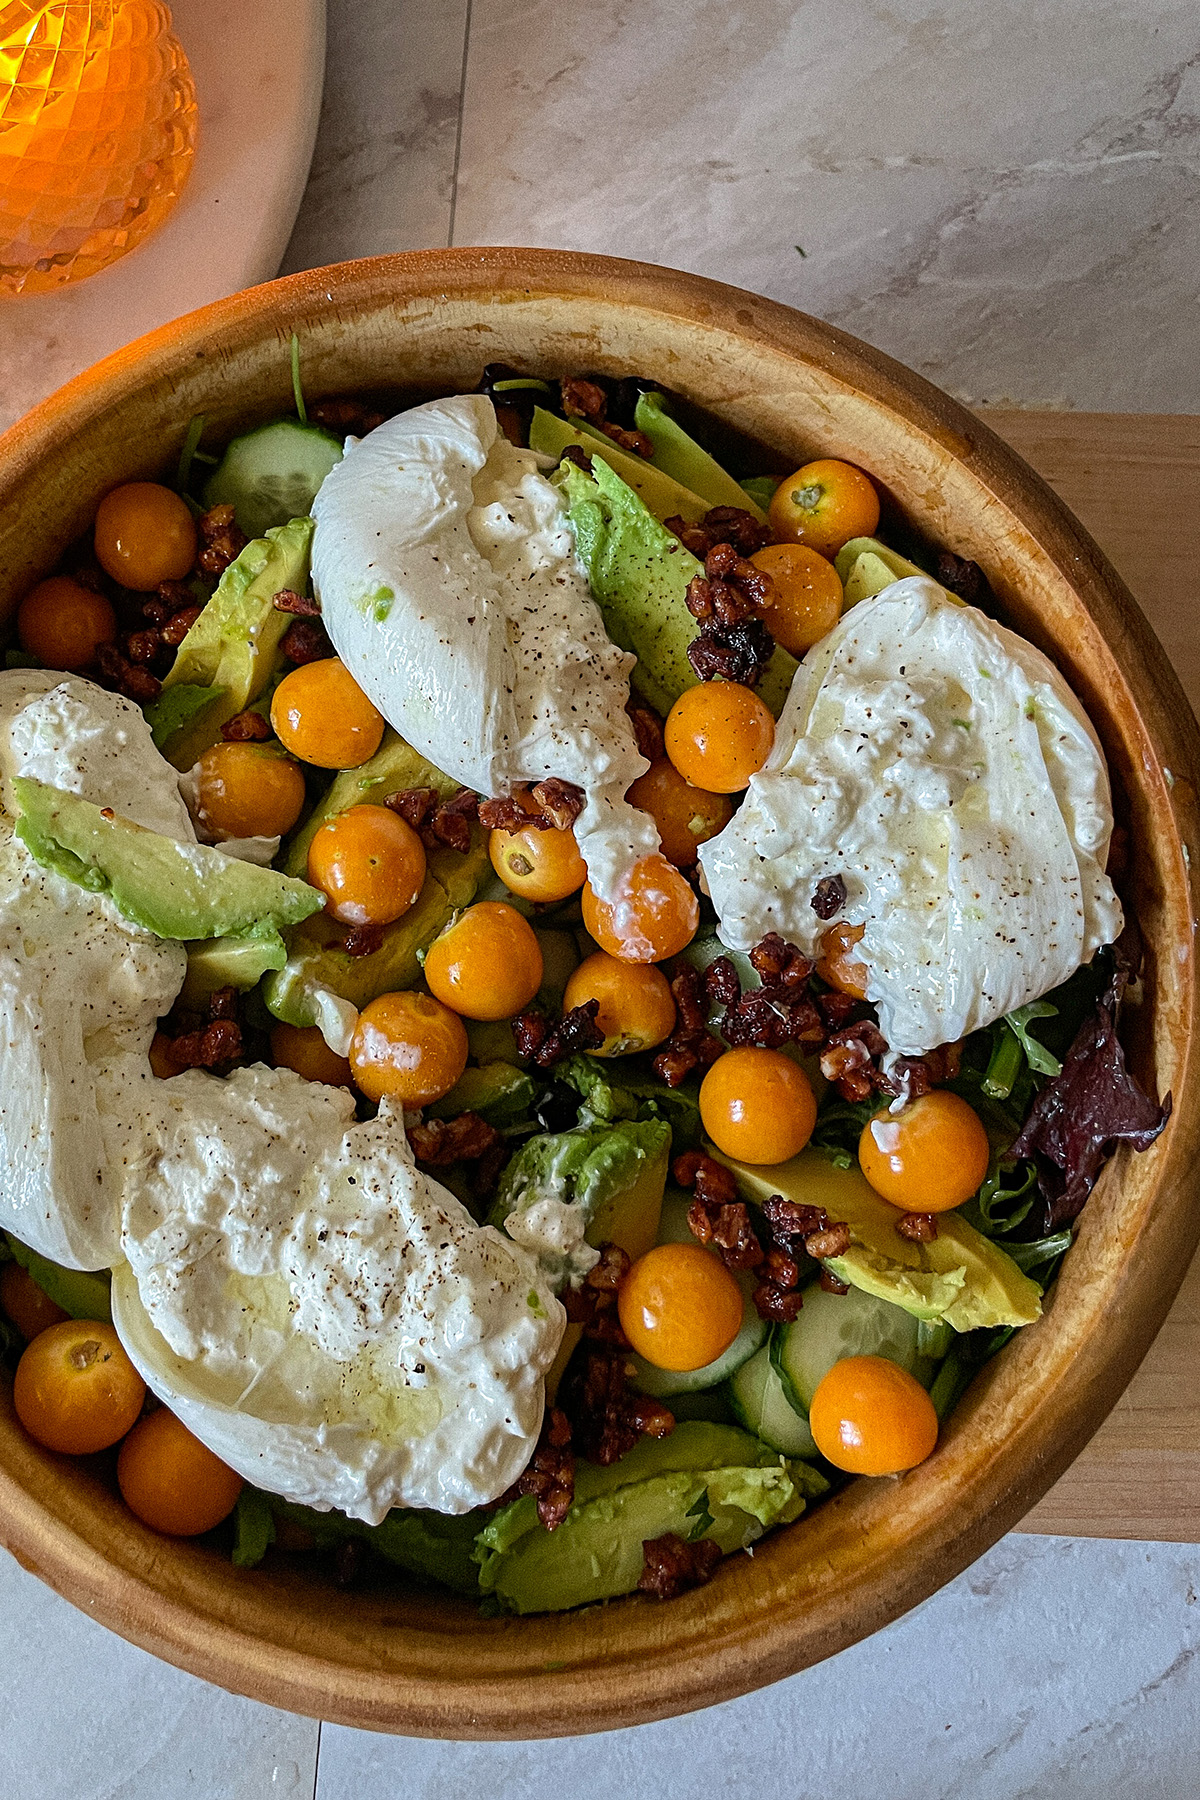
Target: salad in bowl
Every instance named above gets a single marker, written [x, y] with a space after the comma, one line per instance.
[561, 994]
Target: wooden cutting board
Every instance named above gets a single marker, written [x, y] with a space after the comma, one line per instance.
[1134, 481]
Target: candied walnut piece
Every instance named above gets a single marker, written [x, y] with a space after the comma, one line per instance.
[738, 652]
[576, 1030]
[306, 641]
[607, 1275]
[647, 729]
[142, 646]
[440, 1142]
[831, 1283]
[780, 964]
[671, 1566]
[776, 1305]
[636, 442]
[733, 525]
[712, 1183]
[583, 399]
[363, 940]
[117, 672]
[721, 983]
[561, 802]
[503, 814]
[214, 1044]
[830, 896]
[287, 600]
[221, 541]
[833, 1241]
[919, 1228]
[246, 728]
[530, 1030]
[175, 629]
[414, 805]
[607, 1416]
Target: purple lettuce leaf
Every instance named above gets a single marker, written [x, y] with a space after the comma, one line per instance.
[1082, 1114]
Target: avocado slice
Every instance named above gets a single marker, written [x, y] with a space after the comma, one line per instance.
[316, 958]
[663, 496]
[498, 1091]
[232, 646]
[679, 455]
[175, 890]
[704, 1475]
[394, 768]
[639, 573]
[237, 962]
[961, 1277]
[867, 566]
[80, 1292]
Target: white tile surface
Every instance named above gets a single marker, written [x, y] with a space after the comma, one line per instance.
[84, 1716]
[1052, 1668]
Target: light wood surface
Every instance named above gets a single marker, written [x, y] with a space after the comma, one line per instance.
[415, 1663]
[1134, 482]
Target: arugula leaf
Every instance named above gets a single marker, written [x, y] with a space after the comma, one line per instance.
[698, 1511]
[1040, 1060]
[254, 1528]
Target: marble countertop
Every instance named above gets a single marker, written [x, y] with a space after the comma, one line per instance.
[1005, 196]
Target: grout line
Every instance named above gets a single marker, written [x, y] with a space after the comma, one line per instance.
[462, 98]
[317, 1761]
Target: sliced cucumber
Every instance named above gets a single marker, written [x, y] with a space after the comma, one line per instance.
[272, 475]
[834, 1326]
[758, 1401]
[662, 1383]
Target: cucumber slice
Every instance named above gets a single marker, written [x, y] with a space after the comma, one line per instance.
[662, 1383]
[834, 1326]
[272, 475]
[758, 1401]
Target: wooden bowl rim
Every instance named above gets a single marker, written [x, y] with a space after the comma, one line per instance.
[234, 1628]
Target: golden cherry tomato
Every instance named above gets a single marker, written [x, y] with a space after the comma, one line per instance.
[63, 623]
[171, 1480]
[538, 865]
[654, 916]
[248, 790]
[321, 715]
[144, 534]
[302, 1048]
[718, 734]
[408, 1045]
[369, 863]
[686, 816]
[808, 595]
[30, 1309]
[824, 505]
[75, 1389]
[680, 1307]
[757, 1105]
[488, 964]
[837, 963]
[928, 1157]
[871, 1417]
[637, 1009]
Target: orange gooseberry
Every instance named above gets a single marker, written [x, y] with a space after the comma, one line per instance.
[303, 1049]
[538, 865]
[654, 916]
[75, 1389]
[248, 790]
[871, 1417]
[680, 1307]
[408, 1045]
[637, 1009]
[837, 963]
[171, 1480]
[757, 1105]
[144, 534]
[487, 964]
[929, 1157]
[824, 505]
[369, 863]
[321, 715]
[718, 734]
[808, 595]
[686, 816]
[28, 1306]
[63, 623]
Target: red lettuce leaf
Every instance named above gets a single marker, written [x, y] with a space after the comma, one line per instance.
[1081, 1115]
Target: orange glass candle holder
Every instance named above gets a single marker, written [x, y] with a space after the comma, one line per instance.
[97, 134]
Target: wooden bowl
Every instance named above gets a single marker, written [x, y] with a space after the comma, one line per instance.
[410, 1662]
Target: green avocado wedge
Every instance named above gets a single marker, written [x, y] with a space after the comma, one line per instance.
[639, 574]
[233, 646]
[180, 891]
[679, 455]
[664, 497]
[960, 1277]
[703, 1480]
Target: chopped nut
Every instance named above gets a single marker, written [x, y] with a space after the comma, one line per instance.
[918, 1228]
[830, 896]
[246, 728]
[671, 1566]
[303, 605]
